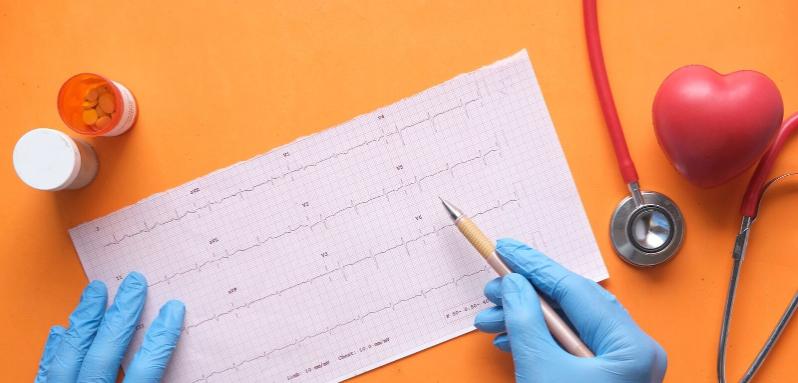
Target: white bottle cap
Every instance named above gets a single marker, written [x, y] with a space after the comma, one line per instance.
[47, 159]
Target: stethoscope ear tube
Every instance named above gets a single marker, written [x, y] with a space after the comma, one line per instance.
[774, 336]
[738, 255]
[751, 201]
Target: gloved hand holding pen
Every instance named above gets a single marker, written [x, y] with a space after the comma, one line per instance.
[93, 346]
[624, 353]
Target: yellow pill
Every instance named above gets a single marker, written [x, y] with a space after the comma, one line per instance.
[89, 104]
[89, 116]
[92, 95]
[103, 121]
[106, 103]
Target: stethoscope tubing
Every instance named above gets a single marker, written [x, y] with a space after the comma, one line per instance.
[596, 57]
[756, 186]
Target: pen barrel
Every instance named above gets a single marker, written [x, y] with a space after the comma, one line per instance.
[481, 242]
[563, 333]
[557, 326]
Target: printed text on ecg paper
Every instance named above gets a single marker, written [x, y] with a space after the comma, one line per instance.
[332, 255]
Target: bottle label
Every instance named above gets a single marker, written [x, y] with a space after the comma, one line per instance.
[129, 111]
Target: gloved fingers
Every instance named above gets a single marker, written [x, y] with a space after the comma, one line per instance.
[591, 309]
[529, 337]
[502, 342]
[76, 340]
[543, 272]
[53, 340]
[150, 361]
[493, 291]
[102, 360]
[490, 320]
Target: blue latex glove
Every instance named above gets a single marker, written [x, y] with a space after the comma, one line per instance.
[93, 346]
[624, 353]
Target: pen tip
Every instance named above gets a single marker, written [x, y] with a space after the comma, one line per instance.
[454, 212]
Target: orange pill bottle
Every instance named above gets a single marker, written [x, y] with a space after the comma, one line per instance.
[72, 105]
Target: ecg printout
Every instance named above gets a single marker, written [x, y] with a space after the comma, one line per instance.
[332, 255]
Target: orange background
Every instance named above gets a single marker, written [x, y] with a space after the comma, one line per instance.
[218, 82]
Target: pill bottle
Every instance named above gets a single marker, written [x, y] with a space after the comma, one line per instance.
[50, 160]
[76, 106]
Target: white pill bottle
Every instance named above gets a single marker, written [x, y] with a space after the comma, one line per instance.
[46, 159]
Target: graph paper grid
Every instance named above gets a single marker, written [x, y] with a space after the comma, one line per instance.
[332, 255]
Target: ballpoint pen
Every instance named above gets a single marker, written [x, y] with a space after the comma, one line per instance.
[557, 326]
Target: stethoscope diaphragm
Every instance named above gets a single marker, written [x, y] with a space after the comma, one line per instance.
[647, 228]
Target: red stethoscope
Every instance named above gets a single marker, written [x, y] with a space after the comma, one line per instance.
[647, 228]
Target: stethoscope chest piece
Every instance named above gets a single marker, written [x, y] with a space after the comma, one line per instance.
[647, 228]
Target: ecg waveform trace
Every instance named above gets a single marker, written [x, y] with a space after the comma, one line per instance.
[332, 255]
[148, 228]
[353, 205]
[373, 256]
[328, 330]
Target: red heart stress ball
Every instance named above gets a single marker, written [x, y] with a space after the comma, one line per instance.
[712, 126]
